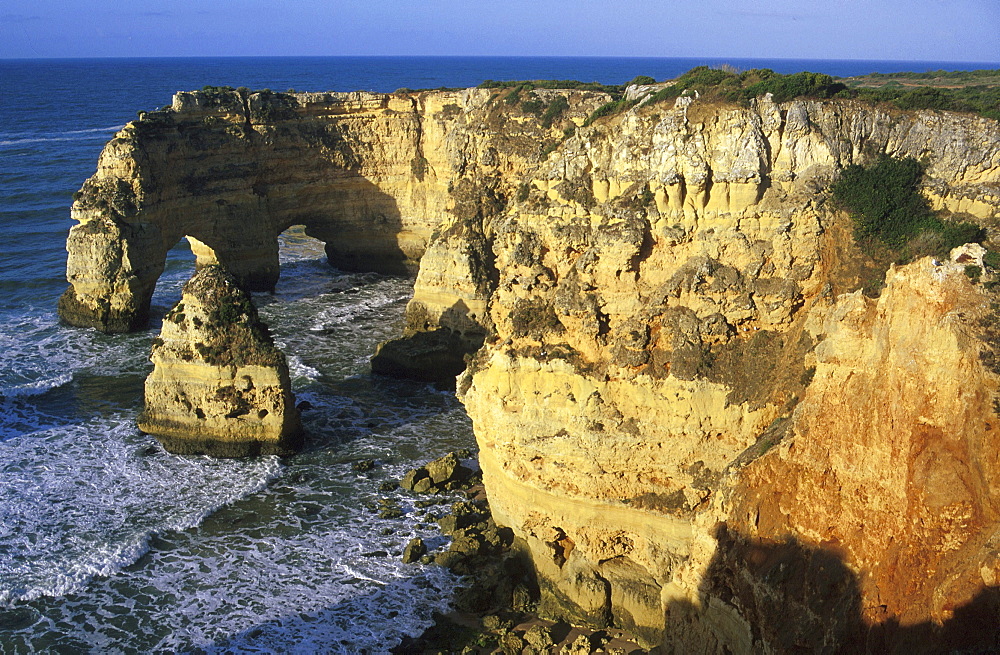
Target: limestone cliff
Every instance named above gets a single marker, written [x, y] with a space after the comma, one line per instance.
[219, 386]
[892, 458]
[371, 175]
[649, 406]
[697, 425]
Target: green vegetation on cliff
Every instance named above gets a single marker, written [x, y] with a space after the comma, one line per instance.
[982, 100]
[963, 91]
[730, 86]
[986, 76]
[610, 109]
[973, 92]
[885, 202]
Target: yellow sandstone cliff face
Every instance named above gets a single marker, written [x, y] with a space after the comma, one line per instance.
[695, 424]
[864, 519]
[219, 386]
[893, 460]
[658, 326]
[371, 175]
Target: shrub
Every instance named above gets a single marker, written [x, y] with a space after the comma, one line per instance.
[788, 87]
[609, 109]
[700, 79]
[513, 97]
[982, 100]
[641, 80]
[923, 98]
[532, 105]
[883, 199]
[886, 205]
[231, 309]
[992, 260]
[554, 111]
[726, 84]
[646, 197]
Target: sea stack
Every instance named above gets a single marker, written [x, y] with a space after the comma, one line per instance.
[219, 385]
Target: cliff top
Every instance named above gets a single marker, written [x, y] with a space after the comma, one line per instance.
[938, 79]
[962, 91]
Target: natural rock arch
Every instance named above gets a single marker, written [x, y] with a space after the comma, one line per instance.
[233, 178]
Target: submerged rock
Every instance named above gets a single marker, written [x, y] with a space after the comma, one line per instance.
[436, 356]
[414, 550]
[219, 385]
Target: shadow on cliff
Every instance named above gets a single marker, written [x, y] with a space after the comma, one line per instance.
[432, 352]
[360, 225]
[801, 599]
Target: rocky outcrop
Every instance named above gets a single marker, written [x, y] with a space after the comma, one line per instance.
[371, 175]
[670, 299]
[219, 385]
[695, 423]
[433, 356]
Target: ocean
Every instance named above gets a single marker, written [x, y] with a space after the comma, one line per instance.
[108, 544]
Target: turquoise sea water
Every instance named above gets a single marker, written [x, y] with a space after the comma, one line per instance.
[107, 543]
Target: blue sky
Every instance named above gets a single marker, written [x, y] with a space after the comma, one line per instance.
[934, 30]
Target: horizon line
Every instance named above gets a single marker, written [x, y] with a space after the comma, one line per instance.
[412, 56]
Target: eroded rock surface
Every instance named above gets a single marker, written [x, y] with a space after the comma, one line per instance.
[219, 385]
[696, 425]
[699, 437]
[371, 175]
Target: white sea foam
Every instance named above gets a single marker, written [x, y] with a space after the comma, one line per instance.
[36, 387]
[46, 368]
[124, 548]
[112, 128]
[36, 347]
[83, 500]
[25, 138]
[351, 312]
[299, 369]
[301, 566]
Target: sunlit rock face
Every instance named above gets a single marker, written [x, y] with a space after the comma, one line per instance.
[219, 385]
[371, 175]
[697, 426]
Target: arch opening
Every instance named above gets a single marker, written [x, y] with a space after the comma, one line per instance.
[296, 244]
[180, 263]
